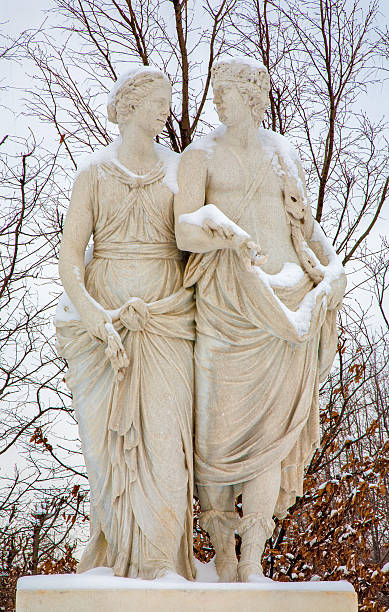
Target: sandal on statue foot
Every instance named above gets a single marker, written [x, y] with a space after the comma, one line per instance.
[251, 572]
[227, 570]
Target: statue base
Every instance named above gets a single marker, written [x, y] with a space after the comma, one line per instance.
[93, 592]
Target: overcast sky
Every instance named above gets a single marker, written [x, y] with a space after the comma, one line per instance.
[19, 15]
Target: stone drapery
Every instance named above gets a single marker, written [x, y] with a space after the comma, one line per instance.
[256, 375]
[136, 432]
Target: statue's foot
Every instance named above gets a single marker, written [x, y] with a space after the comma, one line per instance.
[170, 576]
[227, 571]
[251, 572]
[258, 578]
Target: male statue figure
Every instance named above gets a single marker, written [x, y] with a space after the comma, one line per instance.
[265, 317]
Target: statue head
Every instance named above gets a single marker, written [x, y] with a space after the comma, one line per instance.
[240, 86]
[142, 95]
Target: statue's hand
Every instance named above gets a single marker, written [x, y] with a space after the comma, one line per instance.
[94, 321]
[115, 351]
[222, 230]
[249, 251]
[335, 297]
[98, 324]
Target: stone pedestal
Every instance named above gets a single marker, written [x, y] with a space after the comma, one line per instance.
[101, 593]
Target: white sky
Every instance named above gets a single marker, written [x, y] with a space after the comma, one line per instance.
[19, 15]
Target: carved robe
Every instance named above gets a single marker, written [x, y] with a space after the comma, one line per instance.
[136, 433]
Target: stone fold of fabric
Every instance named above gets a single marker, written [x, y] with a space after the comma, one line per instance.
[136, 432]
[256, 375]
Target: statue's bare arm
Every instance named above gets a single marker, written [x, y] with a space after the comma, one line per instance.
[77, 230]
[192, 180]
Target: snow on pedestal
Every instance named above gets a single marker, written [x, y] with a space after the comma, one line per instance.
[98, 591]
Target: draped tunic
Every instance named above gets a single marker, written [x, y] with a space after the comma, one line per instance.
[136, 432]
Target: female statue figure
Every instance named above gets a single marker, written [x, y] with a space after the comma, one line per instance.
[127, 333]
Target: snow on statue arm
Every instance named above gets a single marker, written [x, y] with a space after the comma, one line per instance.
[201, 227]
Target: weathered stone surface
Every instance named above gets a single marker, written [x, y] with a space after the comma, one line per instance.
[127, 334]
[192, 597]
[268, 286]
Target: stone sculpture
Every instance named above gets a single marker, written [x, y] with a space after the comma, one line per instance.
[126, 328]
[268, 285]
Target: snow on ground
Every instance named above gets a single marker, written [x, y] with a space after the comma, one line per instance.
[103, 578]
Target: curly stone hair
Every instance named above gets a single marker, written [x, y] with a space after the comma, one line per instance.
[131, 93]
[252, 82]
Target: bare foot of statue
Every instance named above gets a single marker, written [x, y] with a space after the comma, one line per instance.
[251, 573]
[170, 576]
[227, 570]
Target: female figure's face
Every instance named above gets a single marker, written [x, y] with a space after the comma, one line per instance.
[151, 113]
[230, 105]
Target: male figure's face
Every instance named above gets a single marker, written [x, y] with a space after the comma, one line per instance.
[230, 104]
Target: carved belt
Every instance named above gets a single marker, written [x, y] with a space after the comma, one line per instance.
[137, 250]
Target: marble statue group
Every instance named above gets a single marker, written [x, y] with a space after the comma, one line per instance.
[197, 329]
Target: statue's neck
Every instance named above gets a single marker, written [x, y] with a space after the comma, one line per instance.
[136, 150]
[241, 136]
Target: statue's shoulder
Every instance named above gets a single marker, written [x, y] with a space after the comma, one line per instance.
[205, 146]
[276, 144]
[90, 163]
[283, 155]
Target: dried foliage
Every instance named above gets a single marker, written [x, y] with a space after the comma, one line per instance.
[328, 533]
[339, 529]
[35, 538]
[324, 58]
